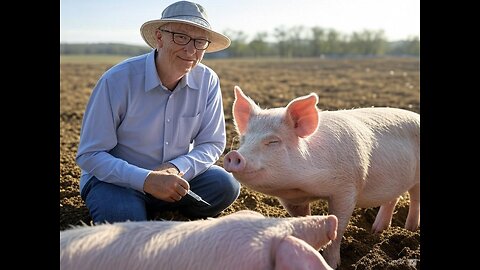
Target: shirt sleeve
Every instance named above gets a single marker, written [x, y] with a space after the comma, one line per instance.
[98, 137]
[210, 141]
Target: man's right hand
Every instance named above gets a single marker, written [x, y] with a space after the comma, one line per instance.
[166, 185]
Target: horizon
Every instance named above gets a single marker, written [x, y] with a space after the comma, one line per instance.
[119, 21]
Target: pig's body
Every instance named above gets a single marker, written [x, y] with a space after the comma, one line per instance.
[361, 157]
[243, 240]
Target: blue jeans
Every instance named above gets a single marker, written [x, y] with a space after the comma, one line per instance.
[111, 203]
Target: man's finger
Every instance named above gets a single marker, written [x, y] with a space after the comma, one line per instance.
[181, 191]
[184, 184]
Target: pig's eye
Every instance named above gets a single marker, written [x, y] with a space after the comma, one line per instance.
[273, 142]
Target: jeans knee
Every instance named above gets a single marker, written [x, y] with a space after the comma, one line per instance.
[110, 203]
[230, 188]
[226, 186]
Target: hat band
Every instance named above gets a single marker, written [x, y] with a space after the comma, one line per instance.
[202, 20]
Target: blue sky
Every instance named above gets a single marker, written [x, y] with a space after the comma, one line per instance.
[120, 20]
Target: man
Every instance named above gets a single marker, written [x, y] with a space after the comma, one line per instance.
[154, 126]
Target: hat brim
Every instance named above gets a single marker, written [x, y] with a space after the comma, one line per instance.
[218, 41]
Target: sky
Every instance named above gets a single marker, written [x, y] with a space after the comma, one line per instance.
[119, 21]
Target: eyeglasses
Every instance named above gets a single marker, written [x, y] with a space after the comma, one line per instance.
[182, 39]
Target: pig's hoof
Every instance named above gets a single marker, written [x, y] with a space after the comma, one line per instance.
[379, 229]
[411, 227]
[381, 223]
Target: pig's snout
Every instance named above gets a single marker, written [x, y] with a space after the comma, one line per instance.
[234, 162]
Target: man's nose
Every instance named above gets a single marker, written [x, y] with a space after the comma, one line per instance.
[190, 47]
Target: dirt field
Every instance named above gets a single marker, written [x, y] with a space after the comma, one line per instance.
[340, 84]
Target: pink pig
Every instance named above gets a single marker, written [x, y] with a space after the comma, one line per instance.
[245, 240]
[353, 158]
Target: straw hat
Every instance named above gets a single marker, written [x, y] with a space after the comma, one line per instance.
[188, 13]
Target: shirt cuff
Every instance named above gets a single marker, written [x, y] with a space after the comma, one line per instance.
[137, 178]
[183, 166]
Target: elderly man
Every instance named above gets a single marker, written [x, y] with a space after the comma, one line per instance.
[154, 126]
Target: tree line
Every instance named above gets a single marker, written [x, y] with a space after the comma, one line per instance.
[297, 41]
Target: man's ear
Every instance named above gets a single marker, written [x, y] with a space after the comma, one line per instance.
[159, 39]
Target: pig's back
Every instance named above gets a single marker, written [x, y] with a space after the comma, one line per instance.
[229, 243]
[366, 128]
[388, 120]
[391, 129]
[378, 147]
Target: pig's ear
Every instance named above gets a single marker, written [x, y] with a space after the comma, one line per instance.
[243, 107]
[317, 231]
[294, 253]
[303, 115]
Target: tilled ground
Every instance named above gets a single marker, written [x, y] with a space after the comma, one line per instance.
[340, 84]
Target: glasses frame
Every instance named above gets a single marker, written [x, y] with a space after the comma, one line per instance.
[189, 39]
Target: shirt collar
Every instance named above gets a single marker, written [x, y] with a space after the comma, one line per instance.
[189, 79]
[152, 80]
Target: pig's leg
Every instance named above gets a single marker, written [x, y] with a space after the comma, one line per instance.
[296, 210]
[342, 207]
[384, 216]
[294, 253]
[413, 217]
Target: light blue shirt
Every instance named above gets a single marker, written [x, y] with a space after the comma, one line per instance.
[132, 124]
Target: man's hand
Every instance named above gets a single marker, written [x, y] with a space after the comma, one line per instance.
[166, 183]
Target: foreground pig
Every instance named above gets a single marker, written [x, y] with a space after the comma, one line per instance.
[361, 157]
[243, 240]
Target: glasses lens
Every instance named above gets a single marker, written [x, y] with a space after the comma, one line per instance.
[181, 39]
[201, 44]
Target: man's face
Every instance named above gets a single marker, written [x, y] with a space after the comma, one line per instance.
[181, 58]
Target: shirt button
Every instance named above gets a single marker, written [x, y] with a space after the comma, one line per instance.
[168, 120]
[166, 143]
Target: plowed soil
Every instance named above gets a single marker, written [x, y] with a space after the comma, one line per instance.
[340, 84]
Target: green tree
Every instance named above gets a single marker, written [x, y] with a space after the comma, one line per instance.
[259, 46]
[238, 47]
[318, 41]
[283, 44]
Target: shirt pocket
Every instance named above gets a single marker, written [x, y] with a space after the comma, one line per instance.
[187, 128]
